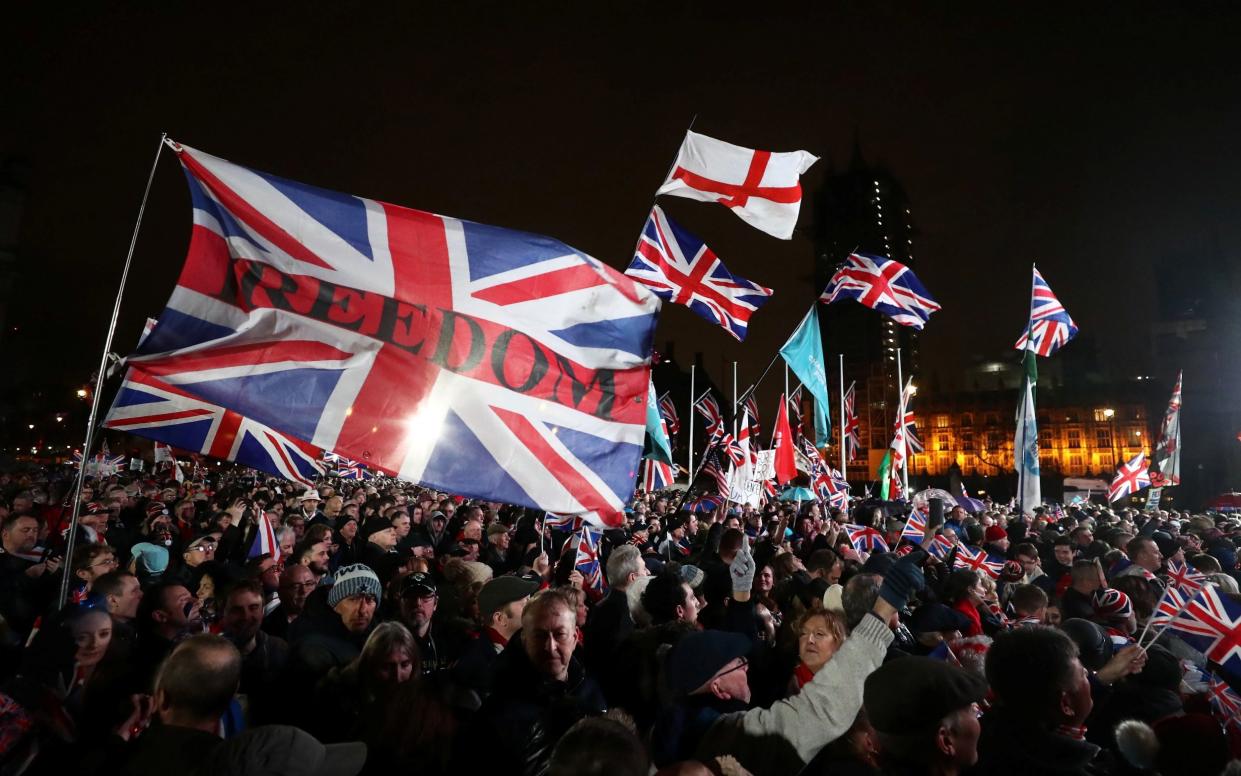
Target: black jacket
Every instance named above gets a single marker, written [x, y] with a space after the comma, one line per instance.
[527, 713]
[1012, 746]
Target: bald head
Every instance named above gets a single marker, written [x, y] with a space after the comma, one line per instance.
[197, 681]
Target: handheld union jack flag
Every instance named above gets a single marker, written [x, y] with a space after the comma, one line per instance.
[1131, 477]
[463, 357]
[1211, 623]
[152, 408]
[587, 562]
[831, 487]
[1224, 701]
[668, 409]
[941, 547]
[264, 540]
[979, 560]
[101, 464]
[853, 440]
[884, 285]
[915, 527]
[866, 539]
[1050, 326]
[1186, 579]
[562, 522]
[680, 268]
[1170, 604]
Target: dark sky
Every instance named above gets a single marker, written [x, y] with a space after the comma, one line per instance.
[1095, 141]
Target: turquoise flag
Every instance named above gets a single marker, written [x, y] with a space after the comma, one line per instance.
[804, 355]
[658, 447]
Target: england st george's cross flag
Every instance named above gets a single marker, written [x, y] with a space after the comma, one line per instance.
[469, 358]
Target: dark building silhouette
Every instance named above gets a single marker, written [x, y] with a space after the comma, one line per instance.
[864, 208]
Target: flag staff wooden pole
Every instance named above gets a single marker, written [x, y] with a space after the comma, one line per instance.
[844, 472]
[770, 364]
[70, 538]
[735, 403]
[900, 411]
[689, 420]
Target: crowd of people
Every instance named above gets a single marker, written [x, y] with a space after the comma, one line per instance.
[379, 627]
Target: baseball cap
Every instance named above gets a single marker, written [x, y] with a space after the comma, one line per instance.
[417, 585]
[501, 591]
[911, 695]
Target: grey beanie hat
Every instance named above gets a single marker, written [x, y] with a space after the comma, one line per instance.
[353, 580]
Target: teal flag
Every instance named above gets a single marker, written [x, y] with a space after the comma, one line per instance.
[658, 446]
[804, 355]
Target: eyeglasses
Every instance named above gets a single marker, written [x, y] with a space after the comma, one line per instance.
[110, 562]
[745, 662]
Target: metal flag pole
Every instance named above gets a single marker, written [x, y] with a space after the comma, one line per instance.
[689, 419]
[900, 411]
[99, 378]
[735, 400]
[843, 463]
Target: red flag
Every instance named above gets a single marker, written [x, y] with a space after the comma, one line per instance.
[782, 443]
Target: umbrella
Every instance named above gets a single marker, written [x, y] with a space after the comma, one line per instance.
[797, 494]
[921, 499]
[971, 505]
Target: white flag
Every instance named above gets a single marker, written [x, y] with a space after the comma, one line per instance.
[762, 187]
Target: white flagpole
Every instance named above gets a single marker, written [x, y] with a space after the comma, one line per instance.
[66, 574]
[689, 418]
[734, 400]
[844, 471]
[900, 410]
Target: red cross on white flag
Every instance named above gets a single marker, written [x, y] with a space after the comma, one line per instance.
[762, 187]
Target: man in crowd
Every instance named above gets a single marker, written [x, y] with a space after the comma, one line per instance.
[27, 584]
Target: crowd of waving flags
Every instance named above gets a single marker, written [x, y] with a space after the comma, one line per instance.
[315, 332]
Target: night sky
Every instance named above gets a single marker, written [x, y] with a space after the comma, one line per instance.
[1095, 141]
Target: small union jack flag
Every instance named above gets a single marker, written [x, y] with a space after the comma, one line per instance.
[866, 539]
[853, 440]
[587, 562]
[680, 268]
[1185, 578]
[668, 409]
[1130, 478]
[1211, 623]
[795, 414]
[979, 560]
[562, 522]
[884, 285]
[1050, 326]
[1224, 700]
[831, 487]
[1170, 604]
[941, 547]
[915, 527]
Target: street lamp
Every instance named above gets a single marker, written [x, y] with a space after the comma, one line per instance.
[82, 393]
[1109, 415]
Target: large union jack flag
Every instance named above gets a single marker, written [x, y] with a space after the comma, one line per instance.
[1131, 477]
[912, 442]
[680, 268]
[884, 285]
[467, 358]
[1211, 623]
[656, 475]
[1050, 326]
[149, 407]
